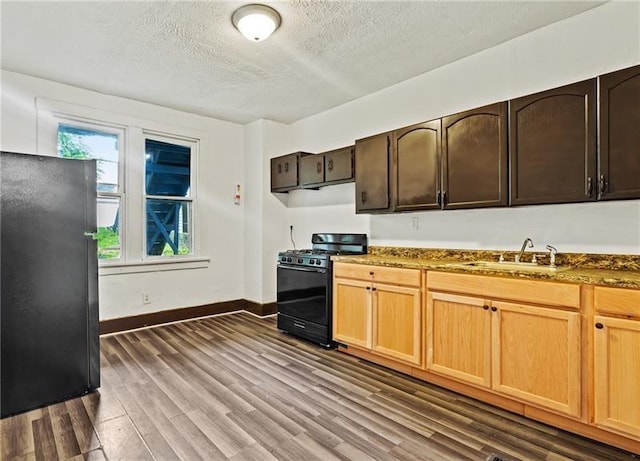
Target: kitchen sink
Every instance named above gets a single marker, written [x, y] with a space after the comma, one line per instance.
[510, 266]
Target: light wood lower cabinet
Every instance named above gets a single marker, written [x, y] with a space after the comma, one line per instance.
[380, 316]
[556, 352]
[396, 322]
[352, 313]
[617, 360]
[617, 374]
[459, 337]
[536, 355]
[523, 351]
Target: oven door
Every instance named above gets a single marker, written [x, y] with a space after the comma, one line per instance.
[302, 293]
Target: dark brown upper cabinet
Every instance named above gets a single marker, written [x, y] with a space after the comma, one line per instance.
[372, 173]
[284, 172]
[328, 168]
[416, 159]
[339, 165]
[552, 145]
[311, 170]
[619, 159]
[474, 158]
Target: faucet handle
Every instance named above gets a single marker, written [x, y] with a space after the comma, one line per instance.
[552, 255]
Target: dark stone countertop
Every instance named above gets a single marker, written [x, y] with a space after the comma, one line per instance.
[621, 271]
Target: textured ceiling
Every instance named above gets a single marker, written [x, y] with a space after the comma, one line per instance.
[188, 56]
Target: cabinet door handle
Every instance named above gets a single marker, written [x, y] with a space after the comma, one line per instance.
[374, 289]
[603, 184]
[368, 288]
[444, 198]
[599, 326]
[439, 198]
[279, 168]
[485, 307]
[589, 187]
[371, 273]
[286, 166]
[494, 308]
[330, 165]
[318, 167]
[363, 197]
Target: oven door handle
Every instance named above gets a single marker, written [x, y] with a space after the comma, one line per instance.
[302, 269]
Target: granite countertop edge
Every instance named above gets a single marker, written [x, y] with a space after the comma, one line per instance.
[591, 276]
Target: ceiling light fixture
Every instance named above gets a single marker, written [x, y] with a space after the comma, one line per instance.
[256, 22]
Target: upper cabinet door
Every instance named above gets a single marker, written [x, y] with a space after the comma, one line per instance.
[619, 175]
[552, 145]
[311, 170]
[284, 172]
[372, 173]
[339, 165]
[416, 157]
[474, 158]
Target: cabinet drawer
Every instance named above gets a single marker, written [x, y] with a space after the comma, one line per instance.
[380, 274]
[532, 291]
[618, 301]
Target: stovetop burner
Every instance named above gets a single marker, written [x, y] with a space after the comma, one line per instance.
[324, 246]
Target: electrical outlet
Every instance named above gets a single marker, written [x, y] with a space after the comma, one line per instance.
[146, 297]
[415, 223]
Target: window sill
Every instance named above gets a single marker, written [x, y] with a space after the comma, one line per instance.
[152, 266]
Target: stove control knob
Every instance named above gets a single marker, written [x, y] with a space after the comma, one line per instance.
[318, 262]
[300, 260]
[289, 259]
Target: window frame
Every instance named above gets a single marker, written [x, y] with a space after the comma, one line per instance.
[193, 144]
[133, 249]
[121, 132]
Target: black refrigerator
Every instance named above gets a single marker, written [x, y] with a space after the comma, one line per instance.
[49, 338]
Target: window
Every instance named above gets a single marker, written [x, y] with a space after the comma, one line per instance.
[146, 184]
[168, 197]
[80, 141]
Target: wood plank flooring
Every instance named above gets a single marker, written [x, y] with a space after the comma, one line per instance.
[234, 388]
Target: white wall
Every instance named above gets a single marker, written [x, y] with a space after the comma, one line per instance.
[600, 40]
[220, 167]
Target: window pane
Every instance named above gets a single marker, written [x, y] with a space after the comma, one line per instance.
[168, 169]
[108, 228]
[168, 227]
[82, 143]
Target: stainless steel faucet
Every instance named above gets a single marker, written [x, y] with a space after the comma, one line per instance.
[524, 246]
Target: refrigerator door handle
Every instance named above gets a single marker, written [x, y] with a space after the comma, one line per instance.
[93, 235]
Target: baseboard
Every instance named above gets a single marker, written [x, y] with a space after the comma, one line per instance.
[260, 309]
[185, 313]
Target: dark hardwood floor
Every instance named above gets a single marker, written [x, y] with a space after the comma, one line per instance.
[233, 387]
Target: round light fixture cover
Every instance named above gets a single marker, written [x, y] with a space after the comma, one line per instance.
[256, 22]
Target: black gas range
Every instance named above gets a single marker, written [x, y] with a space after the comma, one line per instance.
[304, 282]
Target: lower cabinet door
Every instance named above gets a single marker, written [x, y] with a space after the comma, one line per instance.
[459, 337]
[352, 312]
[397, 320]
[536, 355]
[617, 374]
